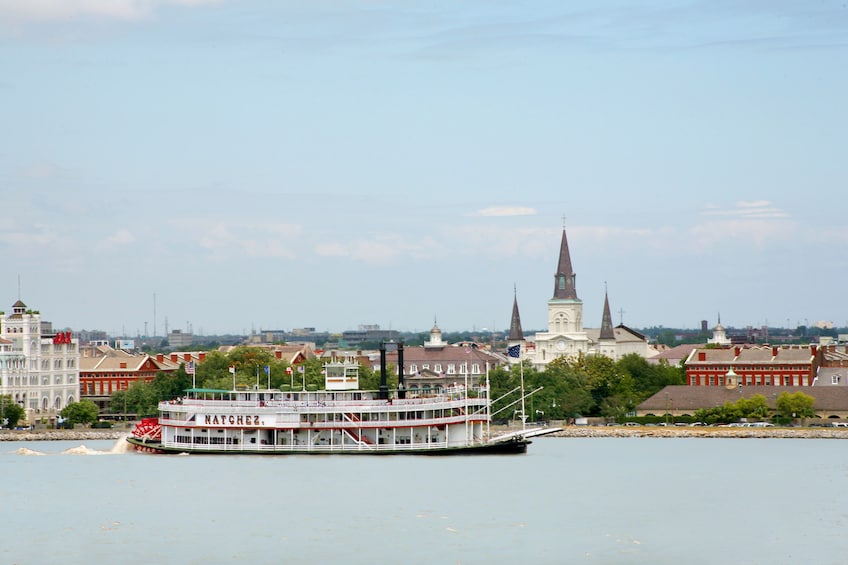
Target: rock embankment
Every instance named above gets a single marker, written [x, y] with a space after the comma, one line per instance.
[704, 432]
[59, 435]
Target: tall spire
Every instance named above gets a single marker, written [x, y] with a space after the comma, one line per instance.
[606, 323]
[515, 333]
[564, 279]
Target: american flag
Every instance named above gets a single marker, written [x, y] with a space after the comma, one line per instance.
[189, 368]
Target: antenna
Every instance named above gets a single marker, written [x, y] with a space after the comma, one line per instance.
[19, 286]
[621, 316]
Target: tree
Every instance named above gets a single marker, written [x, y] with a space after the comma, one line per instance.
[82, 412]
[795, 405]
[10, 412]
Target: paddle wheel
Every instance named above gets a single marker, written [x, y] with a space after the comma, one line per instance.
[148, 431]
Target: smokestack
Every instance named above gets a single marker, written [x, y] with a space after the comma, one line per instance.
[401, 387]
[384, 387]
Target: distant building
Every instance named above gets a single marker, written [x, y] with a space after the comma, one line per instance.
[39, 369]
[566, 336]
[177, 339]
[105, 370]
[438, 364]
[752, 365]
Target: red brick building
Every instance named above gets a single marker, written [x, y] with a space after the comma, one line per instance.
[753, 365]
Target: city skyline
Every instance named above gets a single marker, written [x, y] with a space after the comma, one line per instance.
[328, 165]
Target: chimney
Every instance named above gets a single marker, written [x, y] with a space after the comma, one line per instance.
[736, 351]
[384, 388]
[186, 356]
[278, 354]
[401, 387]
[702, 356]
[123, 365]
[160, 358]
[774, 351]
[174, 357]
[201, 356]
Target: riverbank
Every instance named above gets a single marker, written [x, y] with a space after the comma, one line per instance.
[60, 435]
[701, 432]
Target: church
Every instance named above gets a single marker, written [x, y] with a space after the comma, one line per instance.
[566, 336]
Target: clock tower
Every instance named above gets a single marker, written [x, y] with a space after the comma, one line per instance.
[565, 336]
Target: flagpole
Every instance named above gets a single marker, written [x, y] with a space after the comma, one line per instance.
[523, 413]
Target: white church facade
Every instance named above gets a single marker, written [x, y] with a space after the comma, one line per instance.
[565, 335]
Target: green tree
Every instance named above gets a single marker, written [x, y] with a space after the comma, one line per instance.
[10, 412]
[795, 405]
[82, 412]
[755, 406]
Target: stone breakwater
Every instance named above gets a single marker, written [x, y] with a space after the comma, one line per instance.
[60, 435]
[702, 432]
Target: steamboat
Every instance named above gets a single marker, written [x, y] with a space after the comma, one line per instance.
[341, 419]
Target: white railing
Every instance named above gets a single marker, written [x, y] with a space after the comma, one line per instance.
[323, 448]
[334, 425]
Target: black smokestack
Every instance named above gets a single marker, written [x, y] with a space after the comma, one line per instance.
[384, 387]
[401, 387]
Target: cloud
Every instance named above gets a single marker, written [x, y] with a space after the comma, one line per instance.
[63, 10]
[254, 240]
[501, 211]
[757, 209]
[381, 249]
[118, 239]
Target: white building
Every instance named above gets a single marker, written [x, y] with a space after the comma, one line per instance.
[566, 336]
[39, 371]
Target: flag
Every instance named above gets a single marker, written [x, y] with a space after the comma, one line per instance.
[233, 370]
[289, 370]
[267, 369]
[301, 369]
[514, 351]
[189, 368]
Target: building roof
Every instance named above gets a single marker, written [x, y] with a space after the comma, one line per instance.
[515, 332]
[683, 398]
[607, 331]
[564, 279]
[676, 354]
[752, 354]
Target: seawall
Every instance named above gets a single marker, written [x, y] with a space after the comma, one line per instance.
[59, 435]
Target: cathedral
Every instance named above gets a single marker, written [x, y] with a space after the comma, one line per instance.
[566, 336]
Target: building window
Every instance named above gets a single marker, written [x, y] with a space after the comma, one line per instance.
[438, 367]
[451, 369]
[475, 368]
[834, 379]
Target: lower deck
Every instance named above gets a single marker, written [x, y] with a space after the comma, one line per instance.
[429, 437]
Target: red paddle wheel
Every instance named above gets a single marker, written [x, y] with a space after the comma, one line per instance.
[148, 431]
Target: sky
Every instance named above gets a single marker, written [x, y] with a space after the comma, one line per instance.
[233, 166]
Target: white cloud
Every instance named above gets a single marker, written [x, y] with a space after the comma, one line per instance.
[381, 249]
[254, 240]
[119, 238]
[757, 209]
[499, 211]
[59, 10]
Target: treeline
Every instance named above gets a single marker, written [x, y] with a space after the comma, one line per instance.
[587, 386]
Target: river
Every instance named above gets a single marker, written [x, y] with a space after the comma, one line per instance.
[568, 500]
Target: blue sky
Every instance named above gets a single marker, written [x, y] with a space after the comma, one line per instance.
[272, 165]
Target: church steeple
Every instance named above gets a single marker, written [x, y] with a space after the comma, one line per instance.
[515, 333]
[564, 279]
[606, 323]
